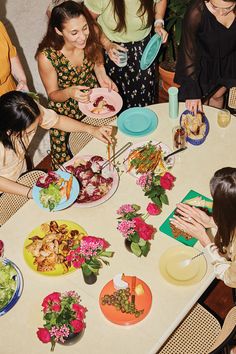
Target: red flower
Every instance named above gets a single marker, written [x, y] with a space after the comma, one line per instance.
[167, 181]
[77, 325]
[56, 307]
[153, 209]
[144, 230]
[51, 300]
[43, 335]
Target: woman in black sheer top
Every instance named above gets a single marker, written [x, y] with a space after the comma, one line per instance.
[207, 55]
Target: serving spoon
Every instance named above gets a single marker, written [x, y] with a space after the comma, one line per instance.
[187, 262]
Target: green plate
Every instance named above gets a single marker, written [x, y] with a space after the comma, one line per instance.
[166, 229]
[150, 52]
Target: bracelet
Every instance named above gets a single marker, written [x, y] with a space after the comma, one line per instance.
[27, 195]
[159, 20]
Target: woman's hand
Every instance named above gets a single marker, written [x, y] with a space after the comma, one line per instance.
[105, 81]
[188, 212]
[79, 93]
[22, 86]
[101, 133]
[194, 106]
[162, 32]
[193, 228]
[113, 51]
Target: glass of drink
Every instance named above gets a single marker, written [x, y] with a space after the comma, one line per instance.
[179, 137]
[223, 118]
[123, 57]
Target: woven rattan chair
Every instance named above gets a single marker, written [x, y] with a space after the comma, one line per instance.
[232, 98]
[77, 141]
[10, 203]
[201, 333]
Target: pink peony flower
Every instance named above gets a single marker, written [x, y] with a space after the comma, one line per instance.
[43, 335]
[77, 325]
[153, 209]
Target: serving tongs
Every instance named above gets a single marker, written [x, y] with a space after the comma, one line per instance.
[174, 152]
[60, 167]
[116, 154]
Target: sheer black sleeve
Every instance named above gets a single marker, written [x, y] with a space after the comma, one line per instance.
[188, 62]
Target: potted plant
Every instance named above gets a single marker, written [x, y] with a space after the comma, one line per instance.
[173, 23]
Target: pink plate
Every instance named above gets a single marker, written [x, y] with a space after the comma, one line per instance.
[111, 97]
[110, 193]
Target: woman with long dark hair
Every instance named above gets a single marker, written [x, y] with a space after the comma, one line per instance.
[195, 222]
[20, 116]
[127, 27]
[207, 56]
[70, 63]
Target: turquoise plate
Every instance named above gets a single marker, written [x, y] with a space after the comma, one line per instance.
[137, 121]
[150, 52]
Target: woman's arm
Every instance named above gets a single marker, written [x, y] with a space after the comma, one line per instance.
[160, 9]
[18, 74]
[103, 79]
[49, 78]
[8, 186]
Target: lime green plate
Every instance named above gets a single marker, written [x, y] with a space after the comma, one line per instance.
[166, 229]
[39, 231]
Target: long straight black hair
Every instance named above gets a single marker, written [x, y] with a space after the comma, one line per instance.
[146, 6]
[223, 190]
[17, 112]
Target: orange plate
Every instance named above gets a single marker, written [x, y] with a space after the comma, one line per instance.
[141, 302]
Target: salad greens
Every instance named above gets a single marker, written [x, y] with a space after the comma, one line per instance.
[50, 197]
[7, 283]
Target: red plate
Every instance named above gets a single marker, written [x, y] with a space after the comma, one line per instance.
[143, 301]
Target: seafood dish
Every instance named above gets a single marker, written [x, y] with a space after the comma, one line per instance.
[101, 106]
[94, 182]
[52, 249]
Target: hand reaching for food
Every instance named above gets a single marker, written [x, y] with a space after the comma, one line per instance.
[194, 105]
[79, 93]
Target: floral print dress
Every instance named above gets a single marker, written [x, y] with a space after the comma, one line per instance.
[67, 75]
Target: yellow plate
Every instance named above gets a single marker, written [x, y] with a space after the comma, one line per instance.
[173, 272]
[59, 268]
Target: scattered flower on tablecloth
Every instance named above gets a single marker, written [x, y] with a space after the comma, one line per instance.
[63, 316]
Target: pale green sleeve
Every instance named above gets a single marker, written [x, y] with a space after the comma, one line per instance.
[95, 6]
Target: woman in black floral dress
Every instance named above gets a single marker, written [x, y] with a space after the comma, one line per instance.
[70, 64]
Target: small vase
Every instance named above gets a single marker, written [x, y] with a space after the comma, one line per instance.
[72, 338]
[128, 245]
[90, 278]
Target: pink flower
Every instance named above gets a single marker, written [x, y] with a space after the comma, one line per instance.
[144, 180]
[43, 335]
[166, 181]
[56, 308]
[78, 263]
[77, 325]
[126, 227]
[50, 300]
[125, 209]
[153, 209]
[144, 230]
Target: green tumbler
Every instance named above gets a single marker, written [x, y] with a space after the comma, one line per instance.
[173, 102]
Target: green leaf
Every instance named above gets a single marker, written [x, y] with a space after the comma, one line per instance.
[135, 237]
[136, 249]
[95, 271]
[142, 242]
[107, 254]
[157, 201]
[145, 249]
[85, 269]
[164, 199]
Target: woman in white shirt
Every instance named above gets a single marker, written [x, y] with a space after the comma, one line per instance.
[195, 222]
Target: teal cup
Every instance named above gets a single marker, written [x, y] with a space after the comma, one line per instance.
[173, 102]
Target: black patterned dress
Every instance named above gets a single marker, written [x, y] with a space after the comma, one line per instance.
[67, 75]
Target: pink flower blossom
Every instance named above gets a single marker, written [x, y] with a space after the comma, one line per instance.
[144, 230]
[60, 333]
[144, 181]
[126, 208]
[153, 209]
[51, 300]
[77, 325]
[167, 181]
[126, 227]
[43, 335]
[56, 308]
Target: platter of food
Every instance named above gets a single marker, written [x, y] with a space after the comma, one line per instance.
[55, 191]
[11, 285]
[47, 246]
[103, 103]
[96, 185]
[148, 156]
[174, 270]
[125, 305]
[195, 199]
[196, 127]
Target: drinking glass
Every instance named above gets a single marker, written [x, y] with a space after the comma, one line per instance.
[223, 118]
[179, 137]
[123, 57]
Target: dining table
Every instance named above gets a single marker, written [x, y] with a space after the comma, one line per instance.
[193, 169]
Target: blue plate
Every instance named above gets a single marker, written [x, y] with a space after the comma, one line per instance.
[137, 121]
[63, 203]
[18, 291]
[205, 120]
[150, 52]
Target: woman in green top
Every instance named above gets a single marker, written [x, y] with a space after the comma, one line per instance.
[70, 62]
[127, 26]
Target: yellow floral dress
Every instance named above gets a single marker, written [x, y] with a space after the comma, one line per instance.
[67, 75]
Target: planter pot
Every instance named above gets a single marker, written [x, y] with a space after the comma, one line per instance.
[90, 278]
[72, 338]
[167, 78]
[128, 245]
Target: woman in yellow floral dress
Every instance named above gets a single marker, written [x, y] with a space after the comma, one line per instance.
[70, 64]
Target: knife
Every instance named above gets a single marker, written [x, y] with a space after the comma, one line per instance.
[133, 284]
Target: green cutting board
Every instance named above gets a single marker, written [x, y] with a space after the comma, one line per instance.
[166, 229]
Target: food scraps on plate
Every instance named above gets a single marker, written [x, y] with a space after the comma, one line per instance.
[101, 106]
